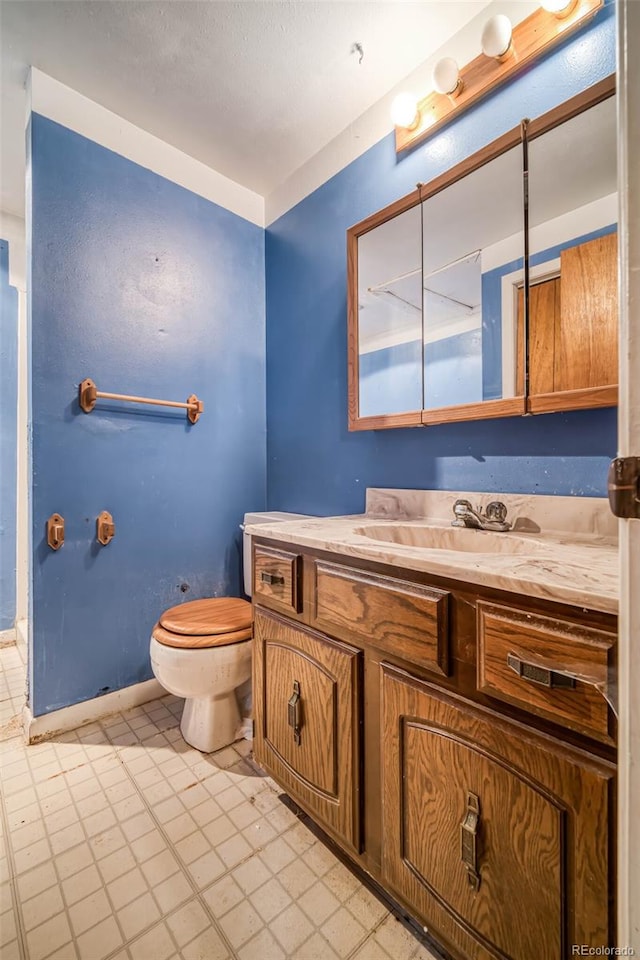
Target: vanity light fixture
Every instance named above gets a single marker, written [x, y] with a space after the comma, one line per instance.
[497, 38]
[446, 77]
[559, 8]
[506, 52]
[404, 111]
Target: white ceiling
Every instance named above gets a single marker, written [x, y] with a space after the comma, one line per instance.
[252, 89]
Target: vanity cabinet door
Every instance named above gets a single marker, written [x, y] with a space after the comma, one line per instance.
[307, 720]
[496, 837]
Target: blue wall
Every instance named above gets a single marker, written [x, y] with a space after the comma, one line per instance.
[147, 289]
[313, 464]
[8, 438]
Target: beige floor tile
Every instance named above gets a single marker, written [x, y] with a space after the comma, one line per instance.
[206, 869]
[277, 855]
[42, 907]
[138, 915]
[223, 896]
[81, 884]
[116, 864]
[148, 845]
[100, 941]
[296, 878]
[366, 908]
[8, 929]
[187, 922]
[126, 888]
[159, 867]
[315, 948]
[31, 856]
[240, 924]
[172, 892]
[371, 950]
[69, 837]
[270, 899]
[44, 939]
[395, 939]
[208, 945]
[262, 947]
[233, 851]
[74, 860]
[157, 944]
[11, 951]
[318, 903]
[86, 913]
[32, 883]
[251, 874]
[343, 932]
[291, 928]
[192, 847]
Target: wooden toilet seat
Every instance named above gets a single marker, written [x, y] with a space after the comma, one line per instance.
[213, 622]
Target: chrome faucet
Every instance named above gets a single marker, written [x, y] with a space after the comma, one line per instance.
[494, 517]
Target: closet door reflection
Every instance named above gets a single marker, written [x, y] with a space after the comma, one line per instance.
[573, 309]
[473, 248]
[390, 317]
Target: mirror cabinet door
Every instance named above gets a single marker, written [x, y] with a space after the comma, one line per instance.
[473, 264]
[389, 325]
[573, 302]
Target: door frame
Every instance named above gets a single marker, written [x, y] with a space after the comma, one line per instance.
[629, 445]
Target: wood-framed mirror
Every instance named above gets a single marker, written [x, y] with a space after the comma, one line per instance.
[573, 254]
[437, 330]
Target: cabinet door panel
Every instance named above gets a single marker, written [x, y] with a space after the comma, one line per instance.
[542, 855]
[307, 716]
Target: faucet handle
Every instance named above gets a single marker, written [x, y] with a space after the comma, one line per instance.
[496, 510]
[462, 507]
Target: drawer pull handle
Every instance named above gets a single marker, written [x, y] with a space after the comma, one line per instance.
[469, 840]
[540, 675]
[293, 712]
[272, 578]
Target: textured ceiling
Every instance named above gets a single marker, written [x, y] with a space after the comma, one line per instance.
[252, 89]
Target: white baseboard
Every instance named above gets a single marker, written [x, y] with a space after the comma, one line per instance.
[7, 637]
[80, 714]
[22, 635]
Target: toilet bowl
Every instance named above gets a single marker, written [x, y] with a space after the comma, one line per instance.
[201, 651]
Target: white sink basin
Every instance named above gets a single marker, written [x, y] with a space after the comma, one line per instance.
[461, 539]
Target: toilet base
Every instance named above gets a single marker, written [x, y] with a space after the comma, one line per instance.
[210, 723]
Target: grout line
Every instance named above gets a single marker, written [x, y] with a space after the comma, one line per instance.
[13, 882]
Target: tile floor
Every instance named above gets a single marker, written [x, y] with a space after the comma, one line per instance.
[13, 682]
[121, 842]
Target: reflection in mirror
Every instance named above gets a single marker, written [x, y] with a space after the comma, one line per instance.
[472, 237]
[573, 202]
[390, 317]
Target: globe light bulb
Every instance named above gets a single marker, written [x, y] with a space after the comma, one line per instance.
[496, 37]
[404, 111]
[446, 77]
[561, 8]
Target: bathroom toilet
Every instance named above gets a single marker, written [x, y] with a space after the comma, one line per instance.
[201, 650]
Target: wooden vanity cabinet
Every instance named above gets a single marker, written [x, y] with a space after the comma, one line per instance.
[307, 696]
[481, 801]
[497, 837]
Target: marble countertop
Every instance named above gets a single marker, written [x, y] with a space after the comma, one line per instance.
[567, 548]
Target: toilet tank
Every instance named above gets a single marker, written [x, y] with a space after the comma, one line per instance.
[271, 517]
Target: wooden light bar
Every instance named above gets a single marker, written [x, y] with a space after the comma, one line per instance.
[531, 39]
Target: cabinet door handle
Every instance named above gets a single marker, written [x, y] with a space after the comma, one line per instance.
[271, 578]
[469, 840]
[540, 675]
[294, 711]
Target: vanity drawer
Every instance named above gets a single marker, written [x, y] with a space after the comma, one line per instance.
[534, 662]
[276, 578]
[402, 618]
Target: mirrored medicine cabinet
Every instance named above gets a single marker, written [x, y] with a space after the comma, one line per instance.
[441, 324]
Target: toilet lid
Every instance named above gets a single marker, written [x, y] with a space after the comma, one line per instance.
[210, 617]
[195, 643]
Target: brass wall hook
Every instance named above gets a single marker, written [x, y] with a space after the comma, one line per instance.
[105, 528]
[55, 531]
